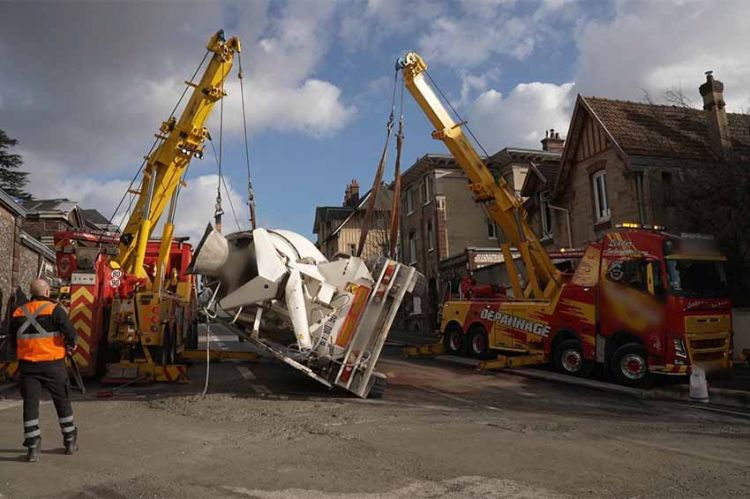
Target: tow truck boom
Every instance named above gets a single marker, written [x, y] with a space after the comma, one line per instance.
[501, 203]
[181, 140]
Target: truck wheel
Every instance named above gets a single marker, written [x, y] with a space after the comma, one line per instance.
[379, 384]
[478, 342]
[629, 364]
[453, 339]
[568, 358]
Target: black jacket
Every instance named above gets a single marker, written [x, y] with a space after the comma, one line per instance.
[57, 321]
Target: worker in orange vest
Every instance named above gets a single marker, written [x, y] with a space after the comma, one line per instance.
[43, 335]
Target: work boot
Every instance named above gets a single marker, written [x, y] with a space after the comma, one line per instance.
[33, 450]
[71, 442]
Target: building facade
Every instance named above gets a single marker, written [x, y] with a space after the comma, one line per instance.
[338, 228]
[524, 168]
[438, 219]
[44, 217]
[622, 161]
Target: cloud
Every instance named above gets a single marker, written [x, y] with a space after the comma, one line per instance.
[471, 40]
[92, 82]
[520, 119]
[196, 205]
[660, 45]
[366, 25]
[314, 108]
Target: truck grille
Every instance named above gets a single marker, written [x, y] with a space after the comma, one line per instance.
[708, 343]
[708, 347]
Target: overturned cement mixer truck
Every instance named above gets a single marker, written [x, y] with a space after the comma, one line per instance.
[328, 319]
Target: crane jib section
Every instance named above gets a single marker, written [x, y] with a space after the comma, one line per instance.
[179, 140]
[502, 205]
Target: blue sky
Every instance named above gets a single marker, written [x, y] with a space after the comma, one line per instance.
[91, 83]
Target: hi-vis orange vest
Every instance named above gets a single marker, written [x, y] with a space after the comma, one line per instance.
[36, 344]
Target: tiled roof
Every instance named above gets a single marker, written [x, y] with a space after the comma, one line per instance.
[325, 213]
[93, 216]
[510, 154]
[12, 204]
[61, 205]
[428, 162]
[540, 175]
[642, 129]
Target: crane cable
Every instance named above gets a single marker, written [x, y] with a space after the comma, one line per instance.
[378, 174]
[460, 119]
[250, 192]
[479, 144]
[224, 183]
[218, 211]
[396, 201]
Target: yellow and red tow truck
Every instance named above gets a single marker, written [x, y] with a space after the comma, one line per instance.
[132, 300]
[640, 300]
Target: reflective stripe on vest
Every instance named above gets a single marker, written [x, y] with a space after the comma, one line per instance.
[35, 343]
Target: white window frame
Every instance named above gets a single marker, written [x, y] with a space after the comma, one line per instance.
[545, 213]
[491, 233]
[412, 248]
[430, 237]
[601, 206]
[428, 189]
[409, 201]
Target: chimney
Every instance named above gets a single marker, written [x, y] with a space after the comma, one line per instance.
[716, 116]
[552, 141]
[351, 194]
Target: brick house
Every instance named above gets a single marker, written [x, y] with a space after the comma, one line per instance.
[44, 217]
[439, 219]
[338, 228]
[529, 172]
[622, 161]
[26, 257]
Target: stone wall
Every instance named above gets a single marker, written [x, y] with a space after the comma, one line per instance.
[28, 270]
[577, 196]
[7, 241]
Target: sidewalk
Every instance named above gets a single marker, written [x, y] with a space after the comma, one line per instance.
[719, 390]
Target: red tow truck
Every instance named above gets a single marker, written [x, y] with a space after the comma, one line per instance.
[640, 300]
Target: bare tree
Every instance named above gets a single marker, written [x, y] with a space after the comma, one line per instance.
[646, 97]
[676, 96]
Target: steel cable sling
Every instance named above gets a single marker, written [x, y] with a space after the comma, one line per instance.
[396, 202]
[367, 222]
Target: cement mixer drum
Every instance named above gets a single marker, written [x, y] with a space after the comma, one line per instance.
[328, 319]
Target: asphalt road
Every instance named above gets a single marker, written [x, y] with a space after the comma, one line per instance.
[264, 430]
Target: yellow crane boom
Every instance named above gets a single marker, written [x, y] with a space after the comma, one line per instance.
[501, 203]
[181, 140]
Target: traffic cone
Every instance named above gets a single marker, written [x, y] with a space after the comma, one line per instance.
[698, 385]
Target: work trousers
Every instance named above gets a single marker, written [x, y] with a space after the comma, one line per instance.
[53, 376]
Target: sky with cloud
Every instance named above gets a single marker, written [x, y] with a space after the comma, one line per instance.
[85, 85]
